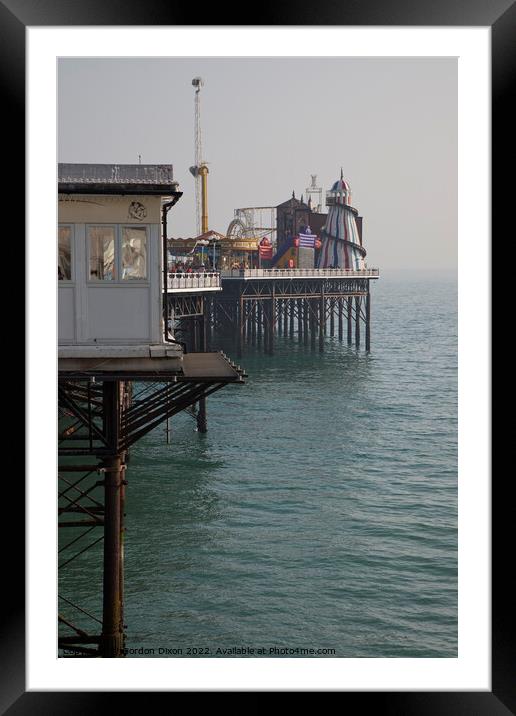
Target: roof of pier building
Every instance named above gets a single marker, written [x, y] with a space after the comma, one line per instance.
[150, 179]
[293, 203]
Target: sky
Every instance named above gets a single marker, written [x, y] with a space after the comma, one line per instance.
[268, 124]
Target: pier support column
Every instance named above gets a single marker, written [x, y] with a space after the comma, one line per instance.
[368, 322]
[305, 321]
[249, 321]
[291, 318]
[332, 316]
[112, 629]
[207, 306]
[312, 309]
[340, 319]
[202, 422]
[322, 320]
[214, 327]
[280, 317]
[357, 320]
[350, 318]
[240, 327]
[253, 323]
[111, 644]
[259, 321]
[272, 320]
[266, 327]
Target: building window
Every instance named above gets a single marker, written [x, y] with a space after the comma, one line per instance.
[64, 256]
[134, 252]
[101, 241]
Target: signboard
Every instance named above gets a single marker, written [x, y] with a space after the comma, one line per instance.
[241, 244]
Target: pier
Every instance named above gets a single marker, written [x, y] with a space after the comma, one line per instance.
[257, 304]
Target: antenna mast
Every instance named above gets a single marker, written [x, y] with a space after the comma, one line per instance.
[197, 82]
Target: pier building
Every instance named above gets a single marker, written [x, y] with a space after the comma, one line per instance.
[123, 370]
[291, 217]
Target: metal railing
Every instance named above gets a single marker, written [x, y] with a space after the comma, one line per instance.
[183, 281]
[301, 273]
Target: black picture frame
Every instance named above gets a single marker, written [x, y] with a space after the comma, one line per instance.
[500, 15]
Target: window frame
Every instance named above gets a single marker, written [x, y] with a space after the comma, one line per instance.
[67, 281]
[118, 281]
[138, 281]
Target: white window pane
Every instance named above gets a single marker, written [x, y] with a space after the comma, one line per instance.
[64, 256]
[134, 252]
[102, 253]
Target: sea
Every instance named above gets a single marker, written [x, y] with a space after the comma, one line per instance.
[317, 517]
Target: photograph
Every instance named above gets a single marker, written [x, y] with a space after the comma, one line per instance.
[258, 399]
[257, 356]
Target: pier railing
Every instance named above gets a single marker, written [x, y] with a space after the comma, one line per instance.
[183, 281]
[301, 273]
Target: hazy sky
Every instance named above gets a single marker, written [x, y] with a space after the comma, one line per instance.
[268, 124]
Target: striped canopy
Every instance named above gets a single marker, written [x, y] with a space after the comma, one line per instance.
[341, 191]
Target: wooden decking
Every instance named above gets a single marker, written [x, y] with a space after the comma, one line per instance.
[198, 367]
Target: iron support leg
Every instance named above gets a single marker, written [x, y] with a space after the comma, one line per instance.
[368, 322]
[322, 321]
[112, 628]
[202, 422]
[357, 321]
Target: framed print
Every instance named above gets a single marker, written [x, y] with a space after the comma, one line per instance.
[368, 572]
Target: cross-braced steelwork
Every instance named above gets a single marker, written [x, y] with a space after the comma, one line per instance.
[256, 310]
[102, 413]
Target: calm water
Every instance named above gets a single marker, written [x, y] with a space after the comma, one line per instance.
[320, 510]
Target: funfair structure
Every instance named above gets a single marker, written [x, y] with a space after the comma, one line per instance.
[340, 237]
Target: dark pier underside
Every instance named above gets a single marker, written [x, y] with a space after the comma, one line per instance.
[253, 310]
[105, 406]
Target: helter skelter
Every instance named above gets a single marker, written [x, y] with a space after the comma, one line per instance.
[340, 235]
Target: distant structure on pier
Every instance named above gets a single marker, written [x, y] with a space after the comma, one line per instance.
[314, 190]
[302, 235]
[292, 216]
[341, 235]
